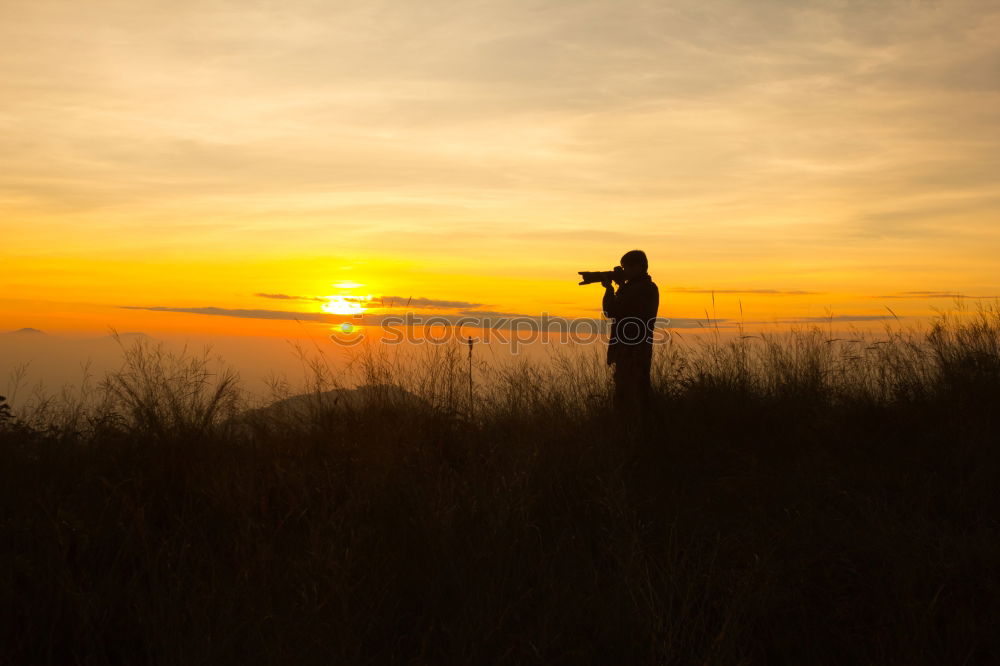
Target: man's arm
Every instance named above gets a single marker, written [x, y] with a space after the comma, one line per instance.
[610, 302]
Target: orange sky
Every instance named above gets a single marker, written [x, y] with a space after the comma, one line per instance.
[800, 161]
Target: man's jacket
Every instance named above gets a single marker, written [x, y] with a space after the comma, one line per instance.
[633, 311]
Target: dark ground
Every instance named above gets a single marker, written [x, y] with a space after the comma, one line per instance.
[779, 522]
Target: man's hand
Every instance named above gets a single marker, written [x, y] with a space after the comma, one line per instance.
[606, 284]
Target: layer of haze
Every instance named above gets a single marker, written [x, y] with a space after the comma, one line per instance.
[228, 162]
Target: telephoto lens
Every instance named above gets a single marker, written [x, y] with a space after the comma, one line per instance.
[590, 277]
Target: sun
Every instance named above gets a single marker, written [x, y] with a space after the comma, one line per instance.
[345, 305]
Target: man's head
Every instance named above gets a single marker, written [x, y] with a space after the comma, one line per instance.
[634, 264]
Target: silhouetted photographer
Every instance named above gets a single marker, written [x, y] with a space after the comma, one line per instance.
[632, 310]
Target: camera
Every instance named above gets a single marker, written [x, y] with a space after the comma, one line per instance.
[589, 277]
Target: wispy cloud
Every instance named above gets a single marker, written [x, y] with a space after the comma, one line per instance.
[406, 302]
[492, 313]
[823, 320]
[237, 312]
[931, 294]
[286, 297]
[685, 322]
[786, 292]
[418, 303]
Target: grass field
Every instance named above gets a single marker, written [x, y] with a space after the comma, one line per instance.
[792, 500]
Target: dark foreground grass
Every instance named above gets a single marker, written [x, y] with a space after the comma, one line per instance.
[790, 501]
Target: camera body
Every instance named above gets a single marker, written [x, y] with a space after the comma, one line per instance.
[590, 277]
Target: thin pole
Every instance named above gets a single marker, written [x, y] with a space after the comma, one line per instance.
[470, 378]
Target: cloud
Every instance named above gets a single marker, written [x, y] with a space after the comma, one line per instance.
[483, 318]
[931, 294]
[683, 322]
[242, 313]
[286, 297]
[418, 303]
[787, 292]
[422, 88]
[383, 301]
[824, 320]
[492, 313]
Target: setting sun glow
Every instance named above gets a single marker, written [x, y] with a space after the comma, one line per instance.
[345, 305]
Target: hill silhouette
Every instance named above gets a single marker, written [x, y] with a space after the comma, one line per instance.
[318, 406]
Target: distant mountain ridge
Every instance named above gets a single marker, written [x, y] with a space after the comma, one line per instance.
[368, 395]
